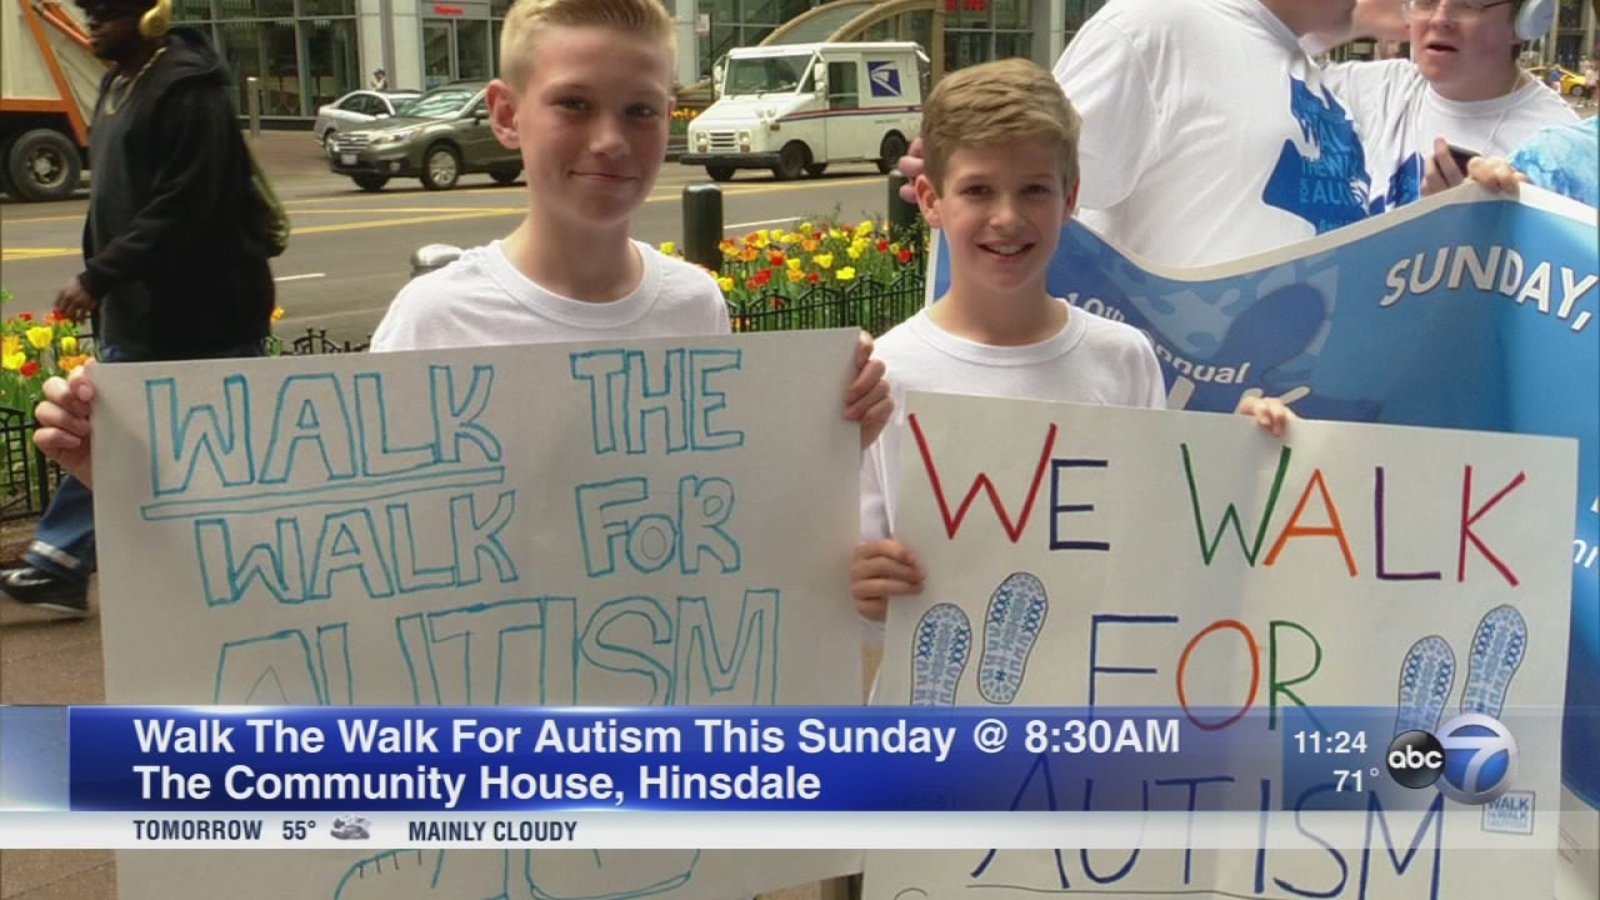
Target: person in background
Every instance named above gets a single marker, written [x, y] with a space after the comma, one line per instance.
[380, 80]
[173, 267]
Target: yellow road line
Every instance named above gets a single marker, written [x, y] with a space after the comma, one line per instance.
[14, 254]
[76, 218]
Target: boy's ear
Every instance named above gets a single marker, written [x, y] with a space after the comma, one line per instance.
[503, 114]
[1072, 199]
[928, 199]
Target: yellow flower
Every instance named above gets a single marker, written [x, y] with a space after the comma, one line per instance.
[11, 362]
[864, 229]
[795, 274]
[11, 343]
[69, 346]
[835, 233]
[809, 245]
[670, 248]
[823, 260]
[855, 251]
[725, 283]
[806, 228]
[277, 313]
[762, 242]
[70, 364]
[41, 336]
[793, 263]
[846, 274]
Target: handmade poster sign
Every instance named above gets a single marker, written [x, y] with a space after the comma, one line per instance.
[606, 524]
[1082, 556]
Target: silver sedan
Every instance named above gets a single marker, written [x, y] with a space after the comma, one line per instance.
[357, 109]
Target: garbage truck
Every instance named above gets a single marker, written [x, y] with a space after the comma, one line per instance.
[49, 79]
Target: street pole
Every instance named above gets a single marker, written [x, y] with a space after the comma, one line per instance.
[253, 103]
[702, 225]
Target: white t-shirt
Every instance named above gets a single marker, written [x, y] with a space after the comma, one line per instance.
[1400, 114]
[1207, 132]
[481, 299]
[1092, 360]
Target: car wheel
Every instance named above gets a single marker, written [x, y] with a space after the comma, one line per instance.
[441, 168]
[890, 151]
[816, 169]
[792, 160]
[43, 165]
[370, 182]
[505, 176]
[720, 173]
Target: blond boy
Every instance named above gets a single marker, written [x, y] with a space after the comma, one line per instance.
[1001, 142]
[585, 94]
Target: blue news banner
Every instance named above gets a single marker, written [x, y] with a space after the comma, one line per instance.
[767, 759]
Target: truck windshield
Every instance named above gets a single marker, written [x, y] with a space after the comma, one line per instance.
[439, 104]
[765, 74]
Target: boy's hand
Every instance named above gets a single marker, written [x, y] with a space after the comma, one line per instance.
[1496, 175]
[868, 401]
[883, 569]
[1269, 412]
[64, 419]
[911, 165]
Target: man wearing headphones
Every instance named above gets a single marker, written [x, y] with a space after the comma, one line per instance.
[175, 267]
[1462, 93]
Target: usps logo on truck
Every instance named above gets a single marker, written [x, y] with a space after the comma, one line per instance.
[884, 78]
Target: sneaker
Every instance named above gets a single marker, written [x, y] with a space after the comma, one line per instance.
[42, 590]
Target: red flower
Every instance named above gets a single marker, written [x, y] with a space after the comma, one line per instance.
[26, 317]
[750, 284]
[29, 368]
[816, 235]
[814, 277]
[775, 257]
[54, 317]
[883, 246]
[905, 255]
[762, 277]
[777, 302]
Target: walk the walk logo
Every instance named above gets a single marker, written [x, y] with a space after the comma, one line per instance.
[884, 78]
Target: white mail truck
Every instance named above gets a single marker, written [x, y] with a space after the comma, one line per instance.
[796, 108]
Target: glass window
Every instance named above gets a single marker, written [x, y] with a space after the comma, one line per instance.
[355, 103]
[1079, 11]
[965, 48]
[254, 9]
[499, 8]
[310, 8]
[495, 27]
[444, 103]
[332, 61]
[1013, 43]
[472, 49]
[191, 10]
[266, 51]
[842, 90]
[1012, 14]
[767, 74]
[966, 13]
[435, 53]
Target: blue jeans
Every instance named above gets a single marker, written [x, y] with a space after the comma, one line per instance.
[63, 543]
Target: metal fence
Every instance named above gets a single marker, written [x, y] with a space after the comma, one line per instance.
[871, 305]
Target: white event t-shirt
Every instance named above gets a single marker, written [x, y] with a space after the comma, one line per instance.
[1208, 133]
[1400, 115]
[1092, 360]
[481, 300]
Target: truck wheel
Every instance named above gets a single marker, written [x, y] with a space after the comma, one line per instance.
[792, 161]
[720, 173]
[506, 176]
[816, 169]
[370, 182]
[890, 151]
[43, 165]
[441, 168]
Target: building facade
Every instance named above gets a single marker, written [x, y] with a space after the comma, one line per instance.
[305, 53]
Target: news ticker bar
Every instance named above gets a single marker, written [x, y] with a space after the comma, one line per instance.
[1400, 831]
[332, 760]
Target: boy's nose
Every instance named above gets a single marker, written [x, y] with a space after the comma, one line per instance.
[607, 139]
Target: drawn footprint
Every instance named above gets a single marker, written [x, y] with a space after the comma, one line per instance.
[600, 874]
[449, 875]
[1497, 650]
[1017, 611]
[1427, 677]
[939, 655]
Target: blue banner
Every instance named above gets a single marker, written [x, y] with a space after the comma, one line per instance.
[1459, 312]
[765, 759]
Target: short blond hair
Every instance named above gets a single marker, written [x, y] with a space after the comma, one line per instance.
[996, 103]
[646, 18]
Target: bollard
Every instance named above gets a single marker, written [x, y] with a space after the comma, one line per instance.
[433, 256]
[252, 99]
[702, 225]
[902, 215]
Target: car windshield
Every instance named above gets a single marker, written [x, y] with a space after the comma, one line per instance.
[402, 105]
[765, 75]
[438, 105]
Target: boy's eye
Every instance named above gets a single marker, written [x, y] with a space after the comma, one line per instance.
[1038, 188]
[573, 103]
[642, 110]
[975, 190]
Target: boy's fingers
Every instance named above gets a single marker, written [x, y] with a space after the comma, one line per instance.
[869, 376]
[53, 438]
[883, 588]
[877, 394]
[54, 416]
[882, 567]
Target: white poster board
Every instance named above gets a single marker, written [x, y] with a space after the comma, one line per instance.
[1117, 575]
[632, 524]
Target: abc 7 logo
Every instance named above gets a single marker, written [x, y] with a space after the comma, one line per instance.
[1474, 760]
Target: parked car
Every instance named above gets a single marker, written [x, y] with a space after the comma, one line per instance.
[357, 109]
[1572, 83]
[438, 137]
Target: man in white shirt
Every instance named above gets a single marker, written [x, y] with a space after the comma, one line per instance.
[1462, 87]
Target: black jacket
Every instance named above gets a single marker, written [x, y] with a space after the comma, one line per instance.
[166, 244]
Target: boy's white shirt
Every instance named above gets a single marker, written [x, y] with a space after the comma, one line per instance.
[1092, 360]
[1400, 114]
[482, 299]
[1207, 135]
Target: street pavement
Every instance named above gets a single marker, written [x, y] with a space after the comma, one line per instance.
[350, 250]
